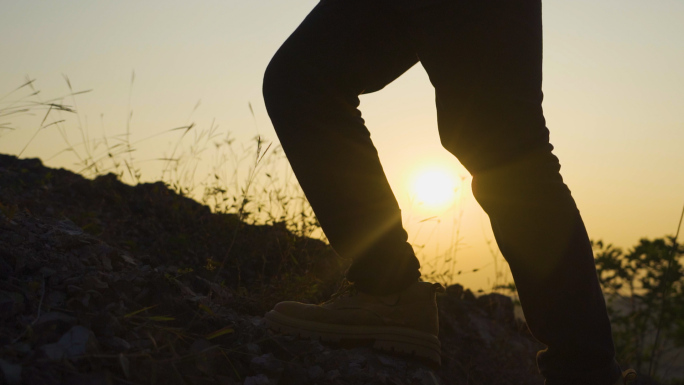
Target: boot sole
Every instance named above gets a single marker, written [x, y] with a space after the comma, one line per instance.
[386, 338]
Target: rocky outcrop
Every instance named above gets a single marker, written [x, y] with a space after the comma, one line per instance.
[86, 298]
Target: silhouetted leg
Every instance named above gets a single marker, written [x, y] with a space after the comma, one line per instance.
[484, 58]
[311, 87]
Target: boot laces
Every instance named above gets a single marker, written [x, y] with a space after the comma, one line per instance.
[346, 289]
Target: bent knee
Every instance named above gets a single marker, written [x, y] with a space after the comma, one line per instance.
[276, 86]
[291, 88]
[530, 181]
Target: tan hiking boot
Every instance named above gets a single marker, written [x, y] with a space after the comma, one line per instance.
[405, 322]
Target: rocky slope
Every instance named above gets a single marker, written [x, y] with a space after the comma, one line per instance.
[105, 283]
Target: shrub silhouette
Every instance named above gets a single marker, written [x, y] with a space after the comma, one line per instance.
[645, 291]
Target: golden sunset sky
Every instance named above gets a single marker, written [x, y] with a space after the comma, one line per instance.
[613, 83]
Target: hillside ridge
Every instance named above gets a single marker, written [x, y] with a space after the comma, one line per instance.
[107, 283]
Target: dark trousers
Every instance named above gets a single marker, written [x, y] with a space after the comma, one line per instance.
[484, 58]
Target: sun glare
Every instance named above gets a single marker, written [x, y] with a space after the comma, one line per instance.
[434, 188]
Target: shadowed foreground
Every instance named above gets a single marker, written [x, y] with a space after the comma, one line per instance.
[105, 283]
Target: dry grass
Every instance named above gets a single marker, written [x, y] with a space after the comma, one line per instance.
[252, 180]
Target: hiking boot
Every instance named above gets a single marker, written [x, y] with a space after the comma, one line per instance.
[404, 322]
[627, 377]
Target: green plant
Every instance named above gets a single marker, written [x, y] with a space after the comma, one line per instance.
[645, 291]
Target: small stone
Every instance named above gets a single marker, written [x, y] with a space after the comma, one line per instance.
[294, 373]
[315, 372]
[72, 280]
[88, 378]
[259, 379]
[253, 349]
[355, 371]
[357, 359]
[50, 327]
[468, 295]
[54, 320]
[69, 227]
[498, 306]
[106, 324]
[79, 302]
[266, 363]
[391, 362]
[425, 377]
[115, 344]
[142, 344]
[200, 345]
[71, 289]
[202, 360]
[53, 352]
[22, 348]
[381, 377]
[128, 259]
[11, 372]
[93, 283]
[106, 263]
[53, 281]
[11, 304]
[74, 343]
[16, 239]
[257, 321]
[332, 375]
[455, 290]
[55, 299]
[5, 269]
[47, 272]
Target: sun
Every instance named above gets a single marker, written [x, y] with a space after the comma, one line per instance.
[434, 188]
